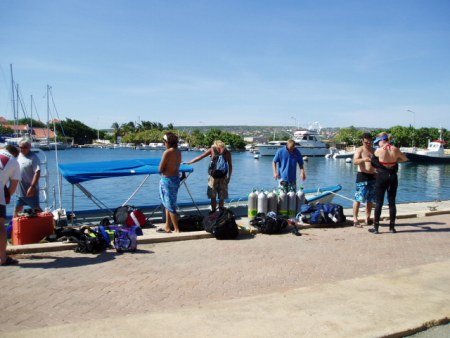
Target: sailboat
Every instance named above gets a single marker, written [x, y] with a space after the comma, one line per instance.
[47, 144]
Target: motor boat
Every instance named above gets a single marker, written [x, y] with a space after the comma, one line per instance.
[308, 141]
[434, 154]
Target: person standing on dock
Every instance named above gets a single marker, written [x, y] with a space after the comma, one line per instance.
[170, 180]
[9, 173]
[285, 164]
[385, 161]
[365, 179]
[220, 170]
[30, 172]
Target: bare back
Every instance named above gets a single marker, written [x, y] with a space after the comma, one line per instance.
[390, 155]
[170, 162]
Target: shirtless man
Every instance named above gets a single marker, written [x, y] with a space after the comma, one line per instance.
[386, 161]
[170, 180]
[365, 179]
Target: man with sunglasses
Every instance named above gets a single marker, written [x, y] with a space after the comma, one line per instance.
[30, 172]
[365, 179]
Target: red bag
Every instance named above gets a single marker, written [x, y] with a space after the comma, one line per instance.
[130, 216]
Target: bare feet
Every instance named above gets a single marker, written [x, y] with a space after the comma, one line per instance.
[163, 230]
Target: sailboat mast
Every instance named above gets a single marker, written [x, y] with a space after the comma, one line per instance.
[31, 116]
[13, 97]
[48, 114]
[16, 117]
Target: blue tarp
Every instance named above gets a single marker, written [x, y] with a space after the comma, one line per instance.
[87, 171]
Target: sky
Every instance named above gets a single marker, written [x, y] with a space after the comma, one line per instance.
[375, 63]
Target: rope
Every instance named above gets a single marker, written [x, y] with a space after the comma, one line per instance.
[345, 197]
[94, 199]
[137, 189]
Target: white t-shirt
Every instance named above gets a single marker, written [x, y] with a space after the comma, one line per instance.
[9, 170]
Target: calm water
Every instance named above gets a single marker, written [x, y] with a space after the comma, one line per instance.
[417, 182]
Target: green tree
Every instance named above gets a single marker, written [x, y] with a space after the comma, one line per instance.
[196, 138]
[117, 131]
[349, 136]
[29, 122]
[5, 130]
[403, 136]
[81, 133]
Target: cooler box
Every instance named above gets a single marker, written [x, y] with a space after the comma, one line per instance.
[32, 229]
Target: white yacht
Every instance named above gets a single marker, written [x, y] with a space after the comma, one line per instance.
[307, 141]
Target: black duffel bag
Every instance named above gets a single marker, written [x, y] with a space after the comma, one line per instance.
[221, 224]
[188, 223]
[268, 224]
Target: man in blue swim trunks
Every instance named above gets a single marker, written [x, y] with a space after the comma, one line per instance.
[170, 180]
[365, 179]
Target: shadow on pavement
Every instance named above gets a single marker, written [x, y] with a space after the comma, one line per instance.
[57, 262]
[420, 227]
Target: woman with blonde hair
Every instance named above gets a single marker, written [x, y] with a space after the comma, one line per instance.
[220, 170]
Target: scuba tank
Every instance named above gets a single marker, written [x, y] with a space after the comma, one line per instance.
[282, 203]
[252, 204]
[272, 202]
[292, 203]
[301, 199]
[262, 202]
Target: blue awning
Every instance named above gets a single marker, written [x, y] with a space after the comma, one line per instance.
[87, 171]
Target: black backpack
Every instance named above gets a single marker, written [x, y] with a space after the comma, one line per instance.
[89, 241]
[188, 223]
[269, 225]
[218, 167]
[221, 224]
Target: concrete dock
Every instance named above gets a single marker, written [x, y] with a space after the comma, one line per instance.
[330, 282]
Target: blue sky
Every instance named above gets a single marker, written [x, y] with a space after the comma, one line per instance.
[341, 63]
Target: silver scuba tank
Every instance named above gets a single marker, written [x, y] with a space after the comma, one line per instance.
[272, 202]
[292, 203]
[301, 199]
[282, 203]
[262, 202]
[252, 204]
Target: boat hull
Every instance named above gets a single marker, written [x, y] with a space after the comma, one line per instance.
[425, 159]
[270, 150]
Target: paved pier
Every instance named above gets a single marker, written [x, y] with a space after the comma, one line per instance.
[332, 282]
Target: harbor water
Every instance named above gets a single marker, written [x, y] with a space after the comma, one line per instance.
[416, 182]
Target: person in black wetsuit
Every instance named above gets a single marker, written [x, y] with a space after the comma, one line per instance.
[385, 160]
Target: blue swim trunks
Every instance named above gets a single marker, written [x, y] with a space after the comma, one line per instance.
[365, 191]
[168, 191]
[32, 202]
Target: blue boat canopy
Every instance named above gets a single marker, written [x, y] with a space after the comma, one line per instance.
[87, 171]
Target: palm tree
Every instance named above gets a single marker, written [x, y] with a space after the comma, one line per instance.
[117, 131]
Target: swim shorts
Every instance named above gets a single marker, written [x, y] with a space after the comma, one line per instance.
[32, 202]
[365, 191]
[168, 191]
[217, 187]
